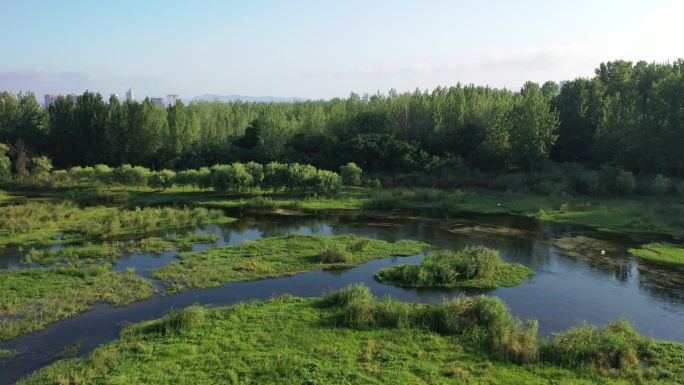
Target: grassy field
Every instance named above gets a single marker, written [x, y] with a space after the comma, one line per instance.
[475, 267]
[32, 299]
[660, 252]
[276, 256]
[42, 222]
[307, 341]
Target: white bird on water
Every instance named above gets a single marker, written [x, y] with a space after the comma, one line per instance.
[603, 252]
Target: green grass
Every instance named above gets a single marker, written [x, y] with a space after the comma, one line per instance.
[41, 222]
[32, 299]
[276, 256]
[299, 341]
[660, 252]
[106, 252]
[476, 267]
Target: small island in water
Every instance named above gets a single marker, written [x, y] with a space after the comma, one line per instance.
[472, 267]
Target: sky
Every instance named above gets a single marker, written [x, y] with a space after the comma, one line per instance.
[321, 49]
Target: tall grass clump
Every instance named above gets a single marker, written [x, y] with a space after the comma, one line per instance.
[334, 253]
[486, 321]
[182, 319]
[617, 346]
[340, 298]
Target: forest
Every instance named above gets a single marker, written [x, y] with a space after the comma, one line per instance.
[629, 117]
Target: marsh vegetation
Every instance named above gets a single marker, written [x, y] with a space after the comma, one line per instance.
[32, 299]
[475, 267]
[276, 256]
[349, 336]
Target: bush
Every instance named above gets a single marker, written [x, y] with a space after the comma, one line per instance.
[161, 179]
[585, 182]
[624, 183]
[617, 346]
[660, 185]
[351, 174]
[183, 319]
[41, 167]
[334, 253]
[342, 297]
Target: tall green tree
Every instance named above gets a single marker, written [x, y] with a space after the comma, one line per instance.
[534, 127]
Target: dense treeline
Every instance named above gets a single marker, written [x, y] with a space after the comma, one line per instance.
[629, 116]
[235, 177]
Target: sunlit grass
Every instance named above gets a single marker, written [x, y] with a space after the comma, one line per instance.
[352, 338]
[32, 299]
[660, 252]
[276, 256]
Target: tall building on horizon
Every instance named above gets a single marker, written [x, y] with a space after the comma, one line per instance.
[129, 95]
[49, 99]
[158, 101]
[172, 99]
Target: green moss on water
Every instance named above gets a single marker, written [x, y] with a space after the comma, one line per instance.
[275, 256]
[476, 267]
[660, 252]
[298, 341]
[32, 299]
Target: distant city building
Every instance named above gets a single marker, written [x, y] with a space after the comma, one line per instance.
[49, 99]
[129, 95]
[172, 99]
[158, 101]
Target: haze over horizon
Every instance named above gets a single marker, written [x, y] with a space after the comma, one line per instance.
[319, 50]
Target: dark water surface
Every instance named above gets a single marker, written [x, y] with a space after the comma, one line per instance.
[566, 290]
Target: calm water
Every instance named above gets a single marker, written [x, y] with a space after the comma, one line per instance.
[564, 292]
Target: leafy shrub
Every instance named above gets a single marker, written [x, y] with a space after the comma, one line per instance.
[351, 174]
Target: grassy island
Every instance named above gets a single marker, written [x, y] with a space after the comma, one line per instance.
[277, 256]
[32, 299]
[473, 267]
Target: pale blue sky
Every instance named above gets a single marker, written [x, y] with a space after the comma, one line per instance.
[321, 49]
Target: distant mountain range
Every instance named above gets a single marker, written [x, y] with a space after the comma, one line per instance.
[243, 98]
